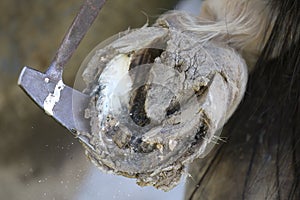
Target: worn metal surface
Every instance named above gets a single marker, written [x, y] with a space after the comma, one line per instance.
[82, 22]
[63, 103]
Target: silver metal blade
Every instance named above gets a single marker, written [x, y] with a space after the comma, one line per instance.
[65, 104]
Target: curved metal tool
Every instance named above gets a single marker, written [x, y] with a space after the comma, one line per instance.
[65, 104]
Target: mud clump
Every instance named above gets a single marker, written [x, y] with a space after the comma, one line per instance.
[158, 99]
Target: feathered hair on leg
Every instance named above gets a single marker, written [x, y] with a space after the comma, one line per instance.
[272, 109]
[261, 158]
[242, 24]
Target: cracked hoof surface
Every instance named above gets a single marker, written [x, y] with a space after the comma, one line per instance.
[159, 100]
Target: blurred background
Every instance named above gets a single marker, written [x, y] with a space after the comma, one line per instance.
[39, 159]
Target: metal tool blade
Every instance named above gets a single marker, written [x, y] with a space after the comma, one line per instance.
[70, 105]
[65, 104]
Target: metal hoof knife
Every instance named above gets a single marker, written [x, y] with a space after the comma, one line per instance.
[65, 104]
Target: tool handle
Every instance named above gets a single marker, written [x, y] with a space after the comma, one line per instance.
[82, 22]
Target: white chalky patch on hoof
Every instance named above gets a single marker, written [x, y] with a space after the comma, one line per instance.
[116, 80]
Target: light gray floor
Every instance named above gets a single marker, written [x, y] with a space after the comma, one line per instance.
[104, 186]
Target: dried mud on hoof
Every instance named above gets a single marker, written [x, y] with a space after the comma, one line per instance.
[159, 98]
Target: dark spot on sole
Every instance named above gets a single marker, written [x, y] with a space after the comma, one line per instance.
[199, 93]
[201, 132]
[137, 111]
[172, 108]
[145, 56]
